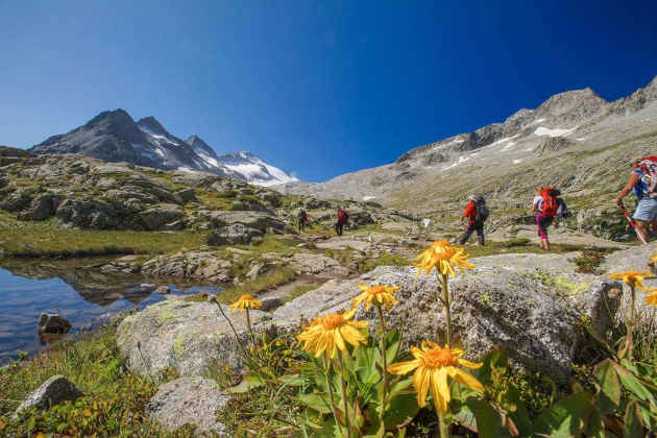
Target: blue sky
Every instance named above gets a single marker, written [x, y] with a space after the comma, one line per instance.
[316, 87]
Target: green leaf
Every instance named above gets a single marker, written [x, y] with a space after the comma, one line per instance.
[249, 382]
[489, 422]
[400, 409]
[393, 340]
[495, 360]
[632, 384]
[567, 417]
[610, 386]
[316, 402]
[292, 380]
[633, 424]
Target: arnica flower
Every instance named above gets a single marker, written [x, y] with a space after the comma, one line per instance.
[631, 278]
[443, 257]
[330, 333]
[246, 302]
[651, 297]
[433, 364]
[377, 294]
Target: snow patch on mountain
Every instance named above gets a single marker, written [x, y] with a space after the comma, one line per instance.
[556, 132]
[255, 170]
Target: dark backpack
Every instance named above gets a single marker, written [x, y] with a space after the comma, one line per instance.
[482, 210]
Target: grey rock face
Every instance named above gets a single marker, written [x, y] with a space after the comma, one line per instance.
[250, 219]
[157, 217]
[233, 234]
[188, 400]
[53, 391]
[17, 201]
[53, 323]
[187, 336]
[555, 144]
[318, 265]
[197, 265]
[42, 207]
[89, 213]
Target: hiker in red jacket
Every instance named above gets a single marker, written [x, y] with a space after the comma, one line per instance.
[545, 207]
[475, 213]
[343, 217]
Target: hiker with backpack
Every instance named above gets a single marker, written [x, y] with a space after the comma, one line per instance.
[475, 213]
[343, 217]
[302, 220]
[643, 182]
[547, 207]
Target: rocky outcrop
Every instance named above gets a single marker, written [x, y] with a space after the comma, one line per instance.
[188, 400]
[505, 302]
[53, 391]
[317, 265]
[539, 324]
[163, 217]
[234, 234]
[196, 265]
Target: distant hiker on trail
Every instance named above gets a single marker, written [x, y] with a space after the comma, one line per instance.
[547, 207]
[475, 213]
[643, 182]
[302, 220]
[343, 217]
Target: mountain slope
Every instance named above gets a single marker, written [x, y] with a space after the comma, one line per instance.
[115, 136]
[574, 139]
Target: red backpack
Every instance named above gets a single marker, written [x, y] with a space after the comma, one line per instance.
[550, 204]
[342, 216]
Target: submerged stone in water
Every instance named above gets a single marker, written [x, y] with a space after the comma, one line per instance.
[53, 323]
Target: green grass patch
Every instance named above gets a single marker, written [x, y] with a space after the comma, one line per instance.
[386, 259]
[260, 284]
[518, 246]
[301, 290]
[113, 403]
[46, 239]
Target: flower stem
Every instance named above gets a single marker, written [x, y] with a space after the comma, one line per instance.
[446, 303]
[343, 385]
[327, 374]
[629, 341]
[248, 324]
[232, 327]
[382, 344]
[443, 426]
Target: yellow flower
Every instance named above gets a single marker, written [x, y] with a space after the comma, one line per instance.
[245, 302]
[631, 278]
[651, 297]
[377, 294]
[329, 333]
[433, 364]
[443, 257]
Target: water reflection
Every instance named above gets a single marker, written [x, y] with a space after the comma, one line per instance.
[80, 293]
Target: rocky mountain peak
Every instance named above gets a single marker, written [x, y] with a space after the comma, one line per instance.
[117, 117]
[151, 124]
[197, 142]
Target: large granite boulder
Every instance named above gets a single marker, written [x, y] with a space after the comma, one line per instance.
[188, 400]
[162, 216]
[539, 324]
[185, 335]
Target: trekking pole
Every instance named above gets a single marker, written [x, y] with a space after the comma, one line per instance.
[632, 223]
